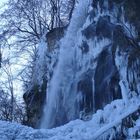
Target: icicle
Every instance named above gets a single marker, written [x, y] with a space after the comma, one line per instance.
[124, 90]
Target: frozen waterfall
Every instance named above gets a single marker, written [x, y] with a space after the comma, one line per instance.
[64, 73]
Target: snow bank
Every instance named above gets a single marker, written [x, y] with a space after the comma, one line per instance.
[100, 123]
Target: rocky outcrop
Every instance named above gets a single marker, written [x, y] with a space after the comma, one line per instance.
[54, 36]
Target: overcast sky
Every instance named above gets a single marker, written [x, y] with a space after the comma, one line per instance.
[3, 1]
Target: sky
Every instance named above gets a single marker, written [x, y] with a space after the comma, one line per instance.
[2, 2]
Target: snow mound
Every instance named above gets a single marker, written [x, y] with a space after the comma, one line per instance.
[102, 121]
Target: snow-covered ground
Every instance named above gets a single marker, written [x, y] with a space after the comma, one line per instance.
[101, 122]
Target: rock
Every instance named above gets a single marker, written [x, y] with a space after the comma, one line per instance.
[106, 80]
[85, 88]
[104, 27]
[34, 100]
[54, 36]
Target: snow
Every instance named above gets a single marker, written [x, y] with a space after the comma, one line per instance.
[114, 123]
[102, 122]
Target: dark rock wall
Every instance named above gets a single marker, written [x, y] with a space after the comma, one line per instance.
[35, 99]
[106, 80]
[84, 86]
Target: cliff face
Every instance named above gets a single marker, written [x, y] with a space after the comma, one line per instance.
[99, 63]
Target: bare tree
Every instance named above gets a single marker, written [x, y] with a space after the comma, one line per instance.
[5, 111]
[23, 22]
[7, 84]
[29, 20]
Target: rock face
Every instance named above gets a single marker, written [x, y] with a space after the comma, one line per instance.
[54, 36]
[105, 53]
[106, 80]
[85, 88]
[34, 100]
